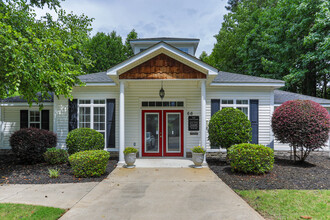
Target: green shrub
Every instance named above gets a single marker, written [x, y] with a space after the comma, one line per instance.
[56, 156]
[54, 173]
[129, 150]
[198, 149]
[228, 127]
[251, 158]
[89, 163]
[82, 139]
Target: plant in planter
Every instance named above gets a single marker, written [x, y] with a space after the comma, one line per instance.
[130, 156]
[198, 156]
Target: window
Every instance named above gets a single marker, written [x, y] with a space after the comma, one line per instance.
[92, 115]
[241, 104]
[164, 104]
[35, 119]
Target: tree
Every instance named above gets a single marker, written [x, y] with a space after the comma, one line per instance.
[52, 4]
[229, 127]
[128, 49]
[303, 124]
[40, 55]
[106, 50]
[278, 39]
[235, 27]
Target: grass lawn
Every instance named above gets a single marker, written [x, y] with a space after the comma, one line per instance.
[20, 211]
[289, 204]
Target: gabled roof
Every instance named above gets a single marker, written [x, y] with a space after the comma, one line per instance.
[225, 77]
[283, 96]
[100, 77]
[162, 47]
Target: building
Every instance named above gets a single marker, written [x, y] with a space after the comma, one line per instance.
[160, 100]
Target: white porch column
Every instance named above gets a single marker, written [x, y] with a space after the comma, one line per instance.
[121, 122]
[203, 113]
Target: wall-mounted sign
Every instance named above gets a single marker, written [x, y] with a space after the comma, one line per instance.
[193, 123]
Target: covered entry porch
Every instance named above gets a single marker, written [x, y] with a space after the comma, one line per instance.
[158, 124]
[166, 127]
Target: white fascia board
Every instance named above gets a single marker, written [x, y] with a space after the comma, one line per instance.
[13, 104]
[211, 70]
[101, 84]
[275, 85]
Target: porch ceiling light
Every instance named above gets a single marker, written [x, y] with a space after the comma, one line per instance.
[162, 92]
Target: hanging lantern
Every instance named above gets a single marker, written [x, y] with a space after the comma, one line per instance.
[162, 92]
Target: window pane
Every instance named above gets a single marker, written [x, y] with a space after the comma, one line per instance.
[99, 118]
[172, 104]
[84, 117]
[84, 101]
[242, 102]
[99, 101]
[144, 104]
[34, 116]
[159, 103]
[35, 125]
[152, 132]
[227, 101]
[244, 110]
[152, 104]
[179, 104]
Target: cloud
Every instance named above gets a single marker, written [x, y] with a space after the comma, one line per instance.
[154, 18]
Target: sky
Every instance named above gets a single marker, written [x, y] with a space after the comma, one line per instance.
[153, 18]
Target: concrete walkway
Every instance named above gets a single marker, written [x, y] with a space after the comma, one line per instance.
[161, 193]
[63, 196]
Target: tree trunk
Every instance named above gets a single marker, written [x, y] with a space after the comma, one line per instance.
[309, 83]
[324, 90]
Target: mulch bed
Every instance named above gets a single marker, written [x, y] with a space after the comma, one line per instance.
[14, 172]
[312, 174]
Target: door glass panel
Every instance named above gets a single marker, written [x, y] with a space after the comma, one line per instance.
[173, 132]
[151, 135]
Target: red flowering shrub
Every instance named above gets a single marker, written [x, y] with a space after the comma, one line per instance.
[29, 144]
[304, 124]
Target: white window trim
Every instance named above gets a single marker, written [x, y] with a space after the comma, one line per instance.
[234, 105]
[36, 122]
[91, 106]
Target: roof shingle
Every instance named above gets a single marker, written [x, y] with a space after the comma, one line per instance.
[101, 77]
[21, 99]
[283, 96]
[225, 77]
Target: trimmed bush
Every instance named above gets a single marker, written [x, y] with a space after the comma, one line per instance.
[303, 124]
[56, 156]
[89, 163]
[228, 127]
[251, 158]
[129, 150]
[82, 139]
[29, 144]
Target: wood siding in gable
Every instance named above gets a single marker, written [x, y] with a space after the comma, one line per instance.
[162, 67]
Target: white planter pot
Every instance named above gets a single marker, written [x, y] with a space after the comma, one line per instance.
[130, 159]
[198, 159]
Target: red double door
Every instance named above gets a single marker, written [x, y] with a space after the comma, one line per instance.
[162, 133]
